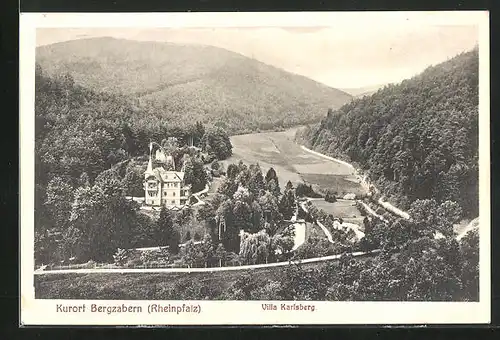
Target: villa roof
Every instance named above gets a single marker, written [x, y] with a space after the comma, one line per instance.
[163, 175]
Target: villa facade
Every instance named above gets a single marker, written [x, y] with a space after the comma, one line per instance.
[163, 185]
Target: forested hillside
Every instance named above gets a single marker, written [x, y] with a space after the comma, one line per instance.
[201, 83]
[417, 139]
[84, 143]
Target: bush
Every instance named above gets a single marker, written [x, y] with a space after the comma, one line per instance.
[215, 165]
[156, 257]
[304, 190]
[330, 197]
[197, 237]
[133, 263]
[121, 256]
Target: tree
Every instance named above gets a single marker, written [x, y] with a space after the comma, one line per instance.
[220, 254]
[110, 182]
[199, 131]
[282, 245]
[469, 271]
[304, 190]
[133, 183]
[184, 216]
[330, 197]
[448, 213]
[207, 248]
[273, 187]
[272, 182]
[192, 256]
[194, 174]
[84, 180]
[430, 216]
[256, 180]
[217, 141]
[105, 219]
[242, 215]
[228, 187]
[257, 217]
[232, 171]
[254, 248]
[121, 256]
[166, 234]
[206, 212]
[243, 177]
[271, 174]
[215, 165]
[242, 194]
[287, 204]
[59, 200]
[270, 210]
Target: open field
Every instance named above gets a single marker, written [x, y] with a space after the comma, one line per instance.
[342, 208]
[339, 184]
[291, 162]
[150, 286]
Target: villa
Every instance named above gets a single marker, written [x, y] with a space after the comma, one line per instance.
[163, 185]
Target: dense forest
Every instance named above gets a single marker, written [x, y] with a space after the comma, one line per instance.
[205, 83]
[88, 150]
[415, 140]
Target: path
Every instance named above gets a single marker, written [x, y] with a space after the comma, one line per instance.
[161, 247]
[299, 230]
[200, 270]
[197, 195]
[372, 212]
[363, 181]
[354, 227]
[388, 206]
[325, 230]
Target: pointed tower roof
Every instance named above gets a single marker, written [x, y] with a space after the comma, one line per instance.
[149, 169]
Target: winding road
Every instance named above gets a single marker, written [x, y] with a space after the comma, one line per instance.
[198, 270]
[354, 227]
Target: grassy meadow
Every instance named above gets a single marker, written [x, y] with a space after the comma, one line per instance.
[291, 162]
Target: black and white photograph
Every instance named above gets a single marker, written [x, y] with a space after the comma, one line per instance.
[291, 167]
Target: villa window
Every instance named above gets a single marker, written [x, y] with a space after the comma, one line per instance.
[173, 202]
[173, 194]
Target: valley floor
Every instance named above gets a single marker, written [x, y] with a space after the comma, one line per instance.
[292, 163]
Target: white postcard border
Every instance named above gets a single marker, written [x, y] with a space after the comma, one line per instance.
[43, 312]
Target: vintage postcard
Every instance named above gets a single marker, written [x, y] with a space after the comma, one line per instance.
[255, 168]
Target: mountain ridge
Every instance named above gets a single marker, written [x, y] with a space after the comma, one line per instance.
[207, 82]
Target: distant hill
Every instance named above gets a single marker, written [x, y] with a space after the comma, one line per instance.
[363, 91]
[193, 82]
[416, 140]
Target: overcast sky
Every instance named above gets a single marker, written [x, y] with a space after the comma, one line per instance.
[352, 56]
